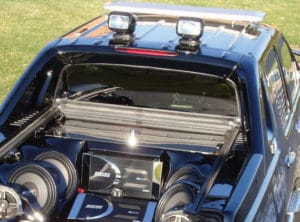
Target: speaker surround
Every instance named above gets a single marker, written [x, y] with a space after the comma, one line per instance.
[35, 182]
[180, 189]
[192, 173]
[177, 196]
[69, 180]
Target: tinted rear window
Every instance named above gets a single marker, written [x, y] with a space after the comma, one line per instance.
[151, 88]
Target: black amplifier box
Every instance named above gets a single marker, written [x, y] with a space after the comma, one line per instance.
[121, 176]
[92, 207]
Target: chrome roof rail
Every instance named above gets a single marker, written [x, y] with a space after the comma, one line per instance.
[186, 11]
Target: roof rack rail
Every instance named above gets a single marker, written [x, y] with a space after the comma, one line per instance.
[187, 11]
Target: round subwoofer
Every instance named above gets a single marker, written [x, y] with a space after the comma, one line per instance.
[177, 196]
[34, 182]
[192, 173]
[67, 184]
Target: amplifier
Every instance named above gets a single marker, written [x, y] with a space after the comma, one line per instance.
[92, 207]
[117, 175]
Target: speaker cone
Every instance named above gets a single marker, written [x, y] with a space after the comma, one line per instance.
[177, 196]
[67, 185]
[35, 183]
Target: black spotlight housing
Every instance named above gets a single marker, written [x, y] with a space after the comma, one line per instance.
[123, 26]
[190, 30]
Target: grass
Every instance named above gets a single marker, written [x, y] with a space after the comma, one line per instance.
[28, 25]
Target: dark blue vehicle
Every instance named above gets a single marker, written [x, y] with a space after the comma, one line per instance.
[155, 113]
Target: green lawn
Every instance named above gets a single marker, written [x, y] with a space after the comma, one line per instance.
[27, 25]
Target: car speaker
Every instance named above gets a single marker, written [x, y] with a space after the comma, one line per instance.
[176, 196]
[10, 203]
[35, 183]
[191, 173]
[69, 181]
[177, 215]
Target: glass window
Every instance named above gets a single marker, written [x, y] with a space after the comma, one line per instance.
[276, 88]
[151, 88]
[30, 101]
[289, 72]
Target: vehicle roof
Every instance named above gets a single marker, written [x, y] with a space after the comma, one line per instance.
[158, 32]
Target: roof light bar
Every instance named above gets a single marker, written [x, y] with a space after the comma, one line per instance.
[187, 11]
